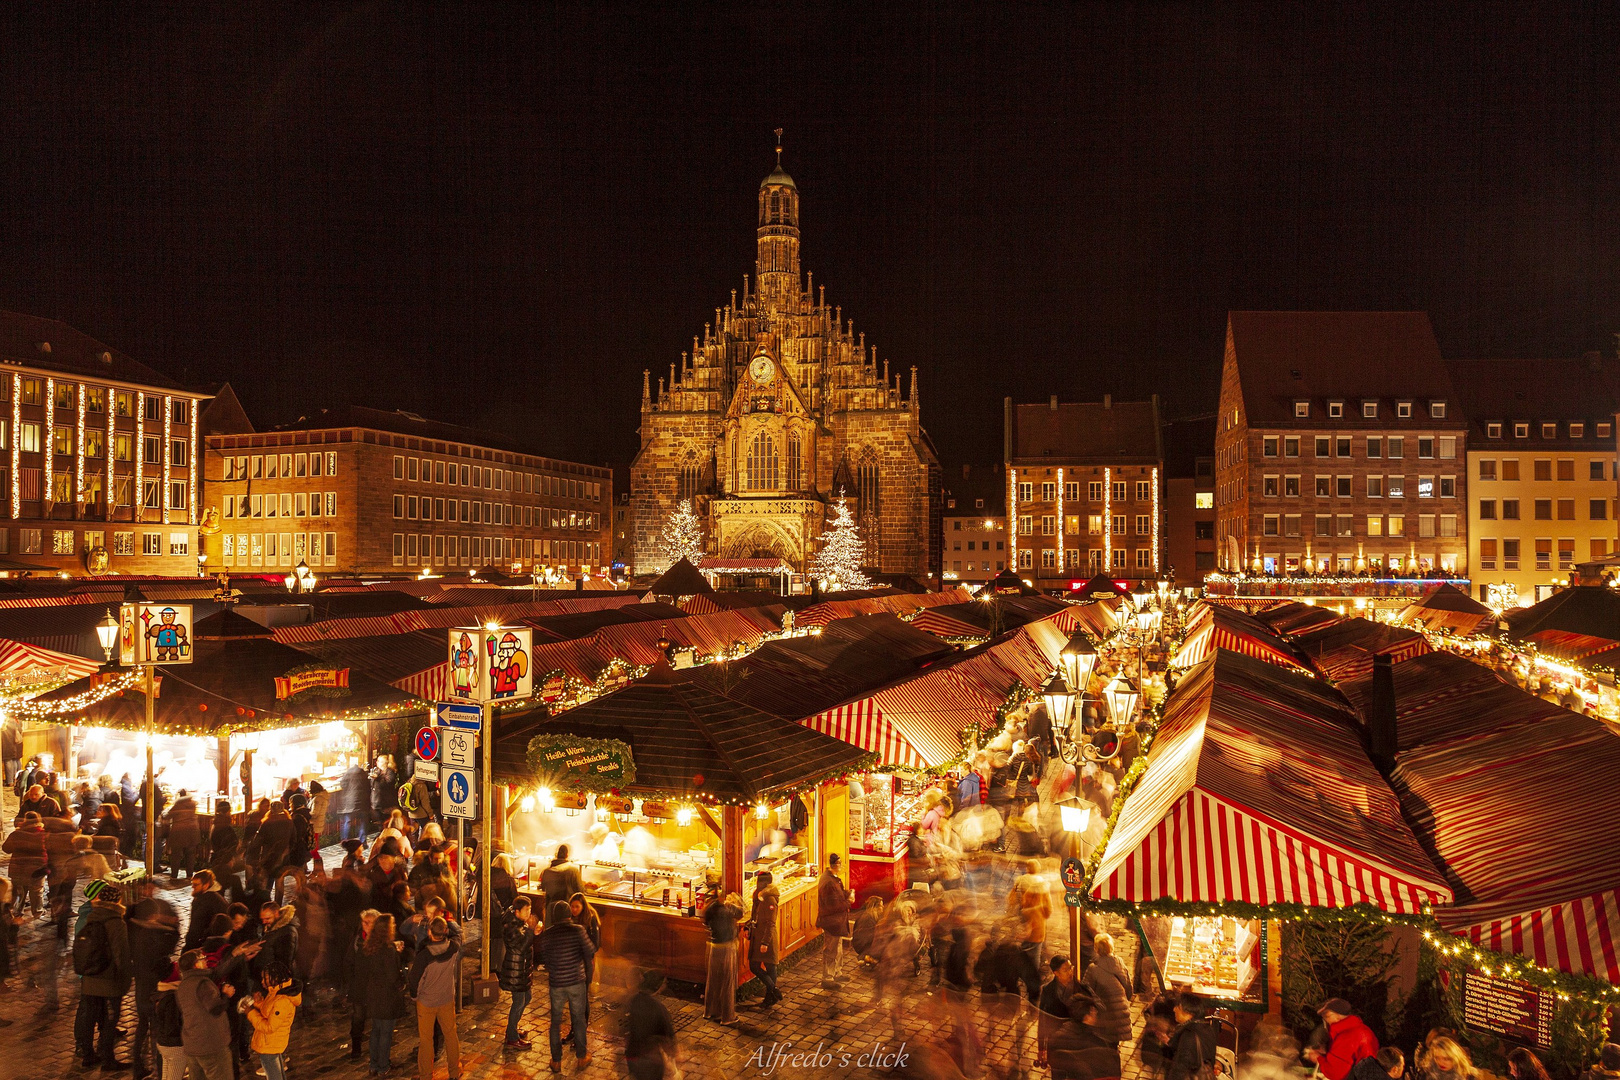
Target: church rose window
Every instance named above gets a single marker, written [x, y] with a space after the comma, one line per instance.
[762, 464]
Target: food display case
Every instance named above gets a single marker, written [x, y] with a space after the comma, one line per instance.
[1219, 958]
[650, 867]
[882, 809]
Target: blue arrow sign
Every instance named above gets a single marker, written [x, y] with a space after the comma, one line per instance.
[453, 714]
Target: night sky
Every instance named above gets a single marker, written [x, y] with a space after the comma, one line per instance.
[499, 215]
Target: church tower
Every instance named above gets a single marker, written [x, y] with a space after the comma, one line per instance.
[777, 265]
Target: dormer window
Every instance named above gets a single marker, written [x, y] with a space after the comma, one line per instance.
[1493, 431]
[1577, 431]
[1603, 431]
[1403, 410]
[1335, 409]
[1302, 407]
[1521, 431]
[1437, 410]
[1369, 408]
[1549, 431]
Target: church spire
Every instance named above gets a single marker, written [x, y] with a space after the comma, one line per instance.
[646, 390]
[777, 264]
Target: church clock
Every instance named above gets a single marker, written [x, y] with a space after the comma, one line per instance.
[760, 369]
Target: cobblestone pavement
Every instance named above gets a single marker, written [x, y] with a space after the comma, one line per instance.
[39, 1008]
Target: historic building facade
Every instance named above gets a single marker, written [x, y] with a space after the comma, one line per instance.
[779, 407]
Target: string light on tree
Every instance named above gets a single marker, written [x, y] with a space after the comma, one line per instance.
[838, 563]
[682, 536]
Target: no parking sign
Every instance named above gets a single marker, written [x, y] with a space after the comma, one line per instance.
[427, 744]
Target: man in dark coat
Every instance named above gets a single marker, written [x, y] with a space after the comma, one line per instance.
[517, 966]
[832, 917]
[355, 805]
[154, 930]
[207, 900]
[1078, 1050]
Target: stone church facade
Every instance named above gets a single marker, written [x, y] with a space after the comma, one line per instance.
[779, 407]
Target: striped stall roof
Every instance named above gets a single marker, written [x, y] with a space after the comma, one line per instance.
[1579, 936]
[499, 608]
[1258, 790]
[894, 604]
[1217, 626]
[1344, 648]
[19, 658]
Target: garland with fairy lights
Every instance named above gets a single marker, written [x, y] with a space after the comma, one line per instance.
[867, 762]
[101, 691]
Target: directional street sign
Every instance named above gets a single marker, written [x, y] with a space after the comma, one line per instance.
[427, 744]
[453, 714]
[458, 749]
[428, 771]
[458, 793]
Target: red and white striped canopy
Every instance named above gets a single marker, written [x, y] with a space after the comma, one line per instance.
[1216, 626]
[19, 659]
[1257, 790]
[1580, 935]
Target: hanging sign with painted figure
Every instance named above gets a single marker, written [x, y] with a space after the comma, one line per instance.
[491, 663]
[151, 633]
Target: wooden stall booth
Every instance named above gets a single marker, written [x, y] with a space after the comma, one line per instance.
[668, 793]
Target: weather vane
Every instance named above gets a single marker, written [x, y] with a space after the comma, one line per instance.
[779, 147]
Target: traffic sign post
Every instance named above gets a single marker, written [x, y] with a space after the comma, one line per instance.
[458, 793]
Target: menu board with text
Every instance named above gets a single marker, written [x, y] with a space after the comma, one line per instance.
[1509, 1008]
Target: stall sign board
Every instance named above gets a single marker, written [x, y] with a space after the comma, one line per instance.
[427, 744]
[426, 771]
[458, 793]
[491, 663]
[154, 633]
[450, 714]
[458, 749]
[1509, 1008]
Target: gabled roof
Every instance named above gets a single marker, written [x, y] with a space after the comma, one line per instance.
[686, 739]
[682, 579]
[1591, 610]
[1125, 432]
[71, 351]
[1319, 356]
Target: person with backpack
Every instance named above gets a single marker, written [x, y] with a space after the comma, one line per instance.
[271, 1015]
[101, 959]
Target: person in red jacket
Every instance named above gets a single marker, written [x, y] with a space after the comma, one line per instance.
[1349, 1040]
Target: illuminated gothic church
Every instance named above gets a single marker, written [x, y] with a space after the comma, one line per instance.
[779, 406]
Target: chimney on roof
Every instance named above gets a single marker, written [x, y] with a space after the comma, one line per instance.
[45, 347]
[1381, 728]
[964, 472]
[1108, 401]
[1054, 403]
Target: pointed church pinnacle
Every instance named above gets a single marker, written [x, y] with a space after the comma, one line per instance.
[779, 148]
[912, 400]
[646, 391]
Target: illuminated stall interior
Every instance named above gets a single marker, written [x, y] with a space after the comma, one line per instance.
[720, 792]
[224, 703]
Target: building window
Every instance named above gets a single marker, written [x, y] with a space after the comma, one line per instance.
[1395, 446]
[1071, 493]
[180, 411]
[1375, 487]
[1375, 525]
[1403, 410]
[1493, 431]
[1094, 524]
[1048, 559]
[1324, 487]
[1291, 487]
[1577, 431]
[62, 440]
[1566, 469]
[1324, 524]
[1119, 490]
[179, 543]
[1549, 431]
[1119, 558]
[1144, 558]
[1324, 445]
[1425, 487]
[1369, 409]
[1144, 490]
[1566, 509]
[1543, 509]
[1437, 410]
[1487, 469]
[1487, 509]
[1603, 431]
[1448, 487]
[1268, 446]
[1143, 524]
[1342, 487]
[1375, 446]
[1048, 525]
[1521, 431]
[29, 540]
[1487, 554]
[1510, 468]
[1271, 525]
[1094, 491]
[1302, 408]
[1291, 446]
[1347, 525]
[1426, 526]
[1425, 447]
[1397, 525]
[1269, 486]
[1544, 553]
[1291, 524]
[1119, 524]
[61, 540]
[1510, 554]
[1594, 469]
[1510, 509]
[1048, 491]
[1026, 559]
[151, 543]
[1335, 409]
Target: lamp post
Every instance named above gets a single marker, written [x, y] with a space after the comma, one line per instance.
[301, 580]
[1075, 815]
[107, 634]
[1122, 695]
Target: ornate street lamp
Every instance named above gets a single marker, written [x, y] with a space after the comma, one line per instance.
[1122, 695]
[107, 634]
[301, 580]
[1079, 659]
[1059, 700]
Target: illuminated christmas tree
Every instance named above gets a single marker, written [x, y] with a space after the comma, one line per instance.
[838, 563]
[681, 537]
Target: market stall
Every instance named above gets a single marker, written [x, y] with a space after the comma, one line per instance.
[1256, 793]
[246, 717]
[665, 791]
